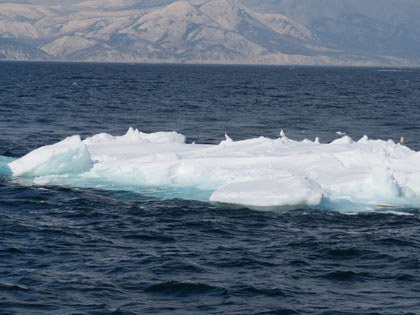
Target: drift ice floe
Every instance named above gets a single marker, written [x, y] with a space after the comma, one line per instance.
[258, 173]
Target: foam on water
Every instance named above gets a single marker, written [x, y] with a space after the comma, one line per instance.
[258, 173]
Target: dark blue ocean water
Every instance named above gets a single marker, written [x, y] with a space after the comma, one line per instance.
[83, 251]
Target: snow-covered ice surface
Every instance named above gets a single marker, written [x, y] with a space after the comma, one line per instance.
[259, 173]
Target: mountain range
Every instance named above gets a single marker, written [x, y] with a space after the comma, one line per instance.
[292, 32]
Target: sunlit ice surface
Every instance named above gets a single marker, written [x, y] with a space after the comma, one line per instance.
[259, 173]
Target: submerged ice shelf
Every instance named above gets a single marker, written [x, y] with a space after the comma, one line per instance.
[258, 173]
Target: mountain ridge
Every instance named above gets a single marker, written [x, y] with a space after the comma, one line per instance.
[198, 31]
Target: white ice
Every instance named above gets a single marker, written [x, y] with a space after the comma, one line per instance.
[67, 156]
[258, 173]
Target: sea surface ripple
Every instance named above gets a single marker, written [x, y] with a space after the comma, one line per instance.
[85, 251]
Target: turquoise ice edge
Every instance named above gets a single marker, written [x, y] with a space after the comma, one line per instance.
[75, 181]
[4, 169]
[185, 193]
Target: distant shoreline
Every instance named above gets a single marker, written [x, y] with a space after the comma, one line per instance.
[414, 66]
